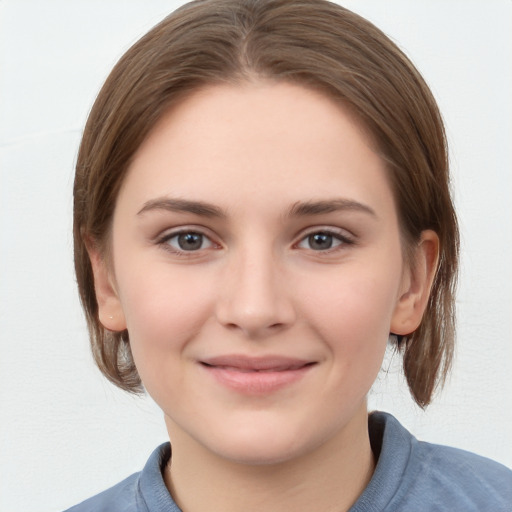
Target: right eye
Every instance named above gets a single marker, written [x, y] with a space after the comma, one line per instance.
[187, 241]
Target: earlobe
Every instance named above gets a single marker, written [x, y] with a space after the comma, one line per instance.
[110, 311]
[416, 285]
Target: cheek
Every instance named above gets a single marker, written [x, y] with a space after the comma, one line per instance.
[353, 313]
[164, 308]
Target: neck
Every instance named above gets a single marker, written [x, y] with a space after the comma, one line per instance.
[329, 479]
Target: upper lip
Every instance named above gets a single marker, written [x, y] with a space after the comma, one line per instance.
[262, 363]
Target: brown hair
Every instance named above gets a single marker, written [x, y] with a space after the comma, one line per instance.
[310, 42]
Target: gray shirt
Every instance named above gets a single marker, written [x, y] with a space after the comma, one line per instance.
[411, 476]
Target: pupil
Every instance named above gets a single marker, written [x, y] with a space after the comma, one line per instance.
[320, 241]
[190, 241]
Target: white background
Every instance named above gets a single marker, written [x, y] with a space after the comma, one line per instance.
[65, 433]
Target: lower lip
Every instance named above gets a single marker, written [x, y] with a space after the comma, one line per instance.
[256, 382]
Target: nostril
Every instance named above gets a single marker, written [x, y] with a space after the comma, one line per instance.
[254, 312]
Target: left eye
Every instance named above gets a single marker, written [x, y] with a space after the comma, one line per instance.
[320, 241]
[188, 241]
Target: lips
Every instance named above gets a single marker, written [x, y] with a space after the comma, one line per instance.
[256, 375]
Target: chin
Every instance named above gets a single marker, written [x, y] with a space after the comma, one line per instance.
[258, 455]
[260, 445]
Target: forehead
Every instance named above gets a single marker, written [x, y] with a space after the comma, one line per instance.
[237, 142]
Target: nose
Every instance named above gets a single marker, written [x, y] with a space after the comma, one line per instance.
[254, 298]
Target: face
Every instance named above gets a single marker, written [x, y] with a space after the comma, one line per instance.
[257, 265]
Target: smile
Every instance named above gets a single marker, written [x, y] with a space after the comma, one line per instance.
[256, 376]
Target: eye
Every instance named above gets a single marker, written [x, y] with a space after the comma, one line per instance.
[323, 241]
[187, 241]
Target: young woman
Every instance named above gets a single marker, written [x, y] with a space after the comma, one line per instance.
[261, 204]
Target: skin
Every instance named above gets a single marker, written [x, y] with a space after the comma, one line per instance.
[262, 273]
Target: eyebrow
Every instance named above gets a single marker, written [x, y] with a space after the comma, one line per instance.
[300, 209]
[182, 205]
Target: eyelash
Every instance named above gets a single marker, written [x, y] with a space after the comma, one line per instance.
[164, 241]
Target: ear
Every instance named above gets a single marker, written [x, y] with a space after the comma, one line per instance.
[110, 311]
[416, 284]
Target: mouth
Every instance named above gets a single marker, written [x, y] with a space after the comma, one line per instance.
[256, 376]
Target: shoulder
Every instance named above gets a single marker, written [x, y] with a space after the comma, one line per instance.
[122, 497]
[141, 492]
[419, 476]
[461, 477]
